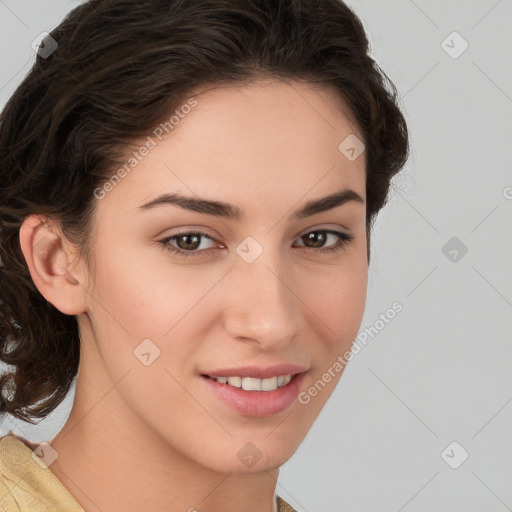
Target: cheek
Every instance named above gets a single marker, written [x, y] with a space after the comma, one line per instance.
[338, 298]
[146, 293]
[142, 316]
[338, 303]
[137, 300]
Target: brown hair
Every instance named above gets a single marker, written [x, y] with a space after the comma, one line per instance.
[120, 68]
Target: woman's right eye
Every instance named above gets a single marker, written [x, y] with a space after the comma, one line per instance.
[192, 239]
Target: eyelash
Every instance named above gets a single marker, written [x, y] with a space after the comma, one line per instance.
[343, 240]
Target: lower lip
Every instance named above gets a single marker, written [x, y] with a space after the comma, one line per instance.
[257, 403]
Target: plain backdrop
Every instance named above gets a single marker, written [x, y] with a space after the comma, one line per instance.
[422, 416]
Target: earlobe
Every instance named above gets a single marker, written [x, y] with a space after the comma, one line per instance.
[48, 259]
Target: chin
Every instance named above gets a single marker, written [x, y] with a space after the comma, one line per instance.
[251, 454]
[252, 462]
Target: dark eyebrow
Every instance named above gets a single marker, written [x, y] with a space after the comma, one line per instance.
[229, 211]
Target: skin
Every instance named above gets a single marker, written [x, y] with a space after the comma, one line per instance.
[154, 437]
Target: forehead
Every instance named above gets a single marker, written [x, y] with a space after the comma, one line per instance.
[268, 99]
[241, 143]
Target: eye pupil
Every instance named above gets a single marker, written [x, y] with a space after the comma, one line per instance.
[194, 244]
[317, 237]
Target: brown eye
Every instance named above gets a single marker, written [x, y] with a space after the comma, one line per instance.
[317, 239]
[186, 243]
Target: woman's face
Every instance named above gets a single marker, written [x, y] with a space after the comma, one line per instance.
[252, 294]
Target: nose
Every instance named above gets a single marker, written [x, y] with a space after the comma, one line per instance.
[261, 304]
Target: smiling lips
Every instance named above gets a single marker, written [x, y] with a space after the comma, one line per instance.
[257, 392]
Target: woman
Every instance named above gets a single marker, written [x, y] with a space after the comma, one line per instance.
[188, 195]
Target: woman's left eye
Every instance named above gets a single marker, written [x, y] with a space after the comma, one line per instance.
[190, 241]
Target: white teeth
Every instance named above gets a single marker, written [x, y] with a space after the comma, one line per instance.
[269, 384]
[252, 384]
[282, 380]
[235, 381]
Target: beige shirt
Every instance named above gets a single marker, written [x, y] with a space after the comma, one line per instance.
[28, 486]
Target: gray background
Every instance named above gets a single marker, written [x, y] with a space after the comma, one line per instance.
[440, 370]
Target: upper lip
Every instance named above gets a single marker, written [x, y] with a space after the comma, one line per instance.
[257, 372]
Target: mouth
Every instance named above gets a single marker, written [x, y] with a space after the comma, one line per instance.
[256, 392]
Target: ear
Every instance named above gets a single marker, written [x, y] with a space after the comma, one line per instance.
[49, 257]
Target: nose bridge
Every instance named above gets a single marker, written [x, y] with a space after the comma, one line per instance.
[261, 305]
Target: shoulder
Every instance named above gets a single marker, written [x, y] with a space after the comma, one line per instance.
[282, 506]
[27, 484]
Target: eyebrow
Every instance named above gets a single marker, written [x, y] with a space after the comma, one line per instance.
[230, 211]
